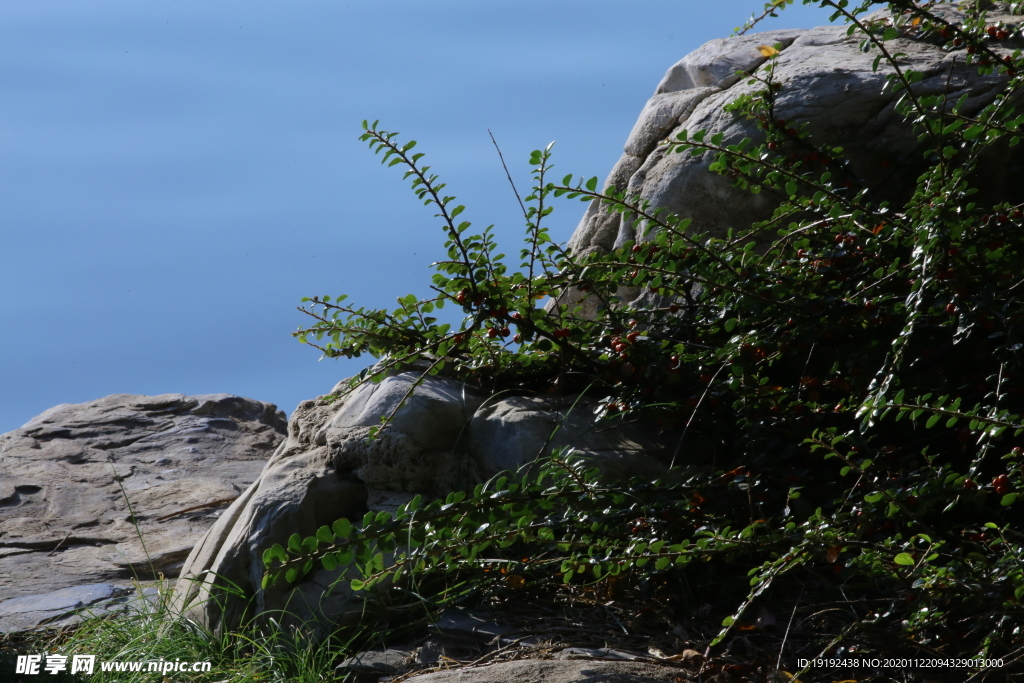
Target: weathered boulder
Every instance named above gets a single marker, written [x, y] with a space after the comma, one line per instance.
[828, 83]
[67, 478]
[446, 437]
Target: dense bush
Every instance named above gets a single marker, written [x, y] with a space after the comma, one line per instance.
[844, 382]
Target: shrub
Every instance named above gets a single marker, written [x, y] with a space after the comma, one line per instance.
[849, 373]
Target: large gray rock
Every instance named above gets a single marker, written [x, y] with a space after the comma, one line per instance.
[67, 478]
[446, 437]
[828, 83]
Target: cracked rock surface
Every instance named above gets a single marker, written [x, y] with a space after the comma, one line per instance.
[65, 475]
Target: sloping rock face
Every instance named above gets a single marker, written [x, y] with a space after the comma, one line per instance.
[68, 476]
[446, 437]
[828, 83]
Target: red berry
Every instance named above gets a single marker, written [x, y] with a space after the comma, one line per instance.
[636, 248]
[970, 484]
[705, 379]
[632, 337]
[461, 296]
[491, 332]
[1001, 484]
[951, 308]
[505, 332]
[673, 308]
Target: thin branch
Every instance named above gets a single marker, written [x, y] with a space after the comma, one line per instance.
[508, 175]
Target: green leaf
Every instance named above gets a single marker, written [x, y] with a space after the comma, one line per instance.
[356, 584]
[295, 543]
[1008, 499]
[330, 561]
[342, 528]
[932, 421]
[874, 497]
[904, 559]
[324, 535]
[973, 132]
[953, 127]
